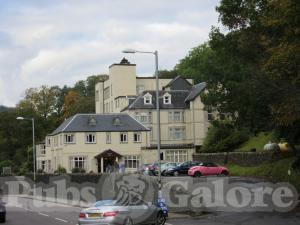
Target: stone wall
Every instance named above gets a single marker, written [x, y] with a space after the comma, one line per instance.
[242, 158]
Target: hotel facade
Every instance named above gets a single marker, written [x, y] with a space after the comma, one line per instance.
[123, 127]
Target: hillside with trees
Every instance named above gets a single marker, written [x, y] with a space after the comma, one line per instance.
[49, 106]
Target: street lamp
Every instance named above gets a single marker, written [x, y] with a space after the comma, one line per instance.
[155, 53]
[33, 144]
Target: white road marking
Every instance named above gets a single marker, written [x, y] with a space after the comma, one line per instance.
[65, 221]
[168, 224]
[43, 214]
[30, 210]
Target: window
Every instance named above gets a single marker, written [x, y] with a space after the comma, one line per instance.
[90, 138]
[132, 161]
[167, 98]
[108, 137]
[147, 99]
[210, 116]
[43, 165]
[137, 137]
[151, 133]
[106, 93]
[48, 141]
[117, 121]
[144, 117]
[78, 162]
[123, 138]
[42, 149]
[177, 133]
[140, 89]
[176, 117]
[176, 156]
[69, 139]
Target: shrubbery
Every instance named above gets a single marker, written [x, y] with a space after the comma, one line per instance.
[223, 137]
[78, 170]
[60, 170]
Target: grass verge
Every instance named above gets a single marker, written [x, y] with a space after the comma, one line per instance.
[274, 172]
[258, 142]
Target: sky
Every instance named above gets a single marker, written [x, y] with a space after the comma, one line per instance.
[58, 42]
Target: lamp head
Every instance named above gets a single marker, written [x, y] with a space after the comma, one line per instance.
[20, 118]
[132, 51]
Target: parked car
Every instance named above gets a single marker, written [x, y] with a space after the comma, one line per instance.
[181, 169]
[166, 166]
[113, 212]
[2, 212]
[207, 168]
[143, 169]
[152, 169]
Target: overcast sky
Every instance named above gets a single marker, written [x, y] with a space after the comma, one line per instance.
[57, 42]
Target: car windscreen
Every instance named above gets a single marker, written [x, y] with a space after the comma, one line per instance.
[105, 203]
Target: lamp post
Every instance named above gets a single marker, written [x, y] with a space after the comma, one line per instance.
[33, 144]
[155, 53]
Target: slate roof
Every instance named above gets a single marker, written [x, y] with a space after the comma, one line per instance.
[179, 83]
[180, 99]
[177, 100]
[195, 91]
[101, 123]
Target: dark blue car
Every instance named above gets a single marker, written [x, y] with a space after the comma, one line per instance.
[181, 169]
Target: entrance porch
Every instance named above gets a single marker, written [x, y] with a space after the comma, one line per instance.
[108, 161]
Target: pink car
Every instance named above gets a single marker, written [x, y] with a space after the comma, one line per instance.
[205, 169]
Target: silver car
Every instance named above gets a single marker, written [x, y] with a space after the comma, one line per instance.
[113, 212]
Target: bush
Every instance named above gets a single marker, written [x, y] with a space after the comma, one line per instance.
[223, 137]
[60, 170]
[24, 168]
[40, 171]
[78, 170]
[6, 163]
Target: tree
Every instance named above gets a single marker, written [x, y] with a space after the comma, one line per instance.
[42, 100]
[167, 74]
[268, 34]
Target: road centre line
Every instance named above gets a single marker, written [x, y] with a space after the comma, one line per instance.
[43, 214]
[65, 221]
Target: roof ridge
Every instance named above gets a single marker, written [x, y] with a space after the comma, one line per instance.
[138, 122]
[69, 122]
[138, 97]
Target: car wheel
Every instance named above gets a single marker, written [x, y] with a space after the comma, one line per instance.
[197, 174]
[176, 173]
[128, 221]
[161, 219]
[224, 173]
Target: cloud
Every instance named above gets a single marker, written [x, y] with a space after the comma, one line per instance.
[57, 42]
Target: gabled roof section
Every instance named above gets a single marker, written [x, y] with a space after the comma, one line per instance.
[179, 83]
[195, 91]
[178, 100]
[103, 123]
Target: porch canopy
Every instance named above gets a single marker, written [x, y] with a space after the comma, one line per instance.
[108, 154]
[107, 158]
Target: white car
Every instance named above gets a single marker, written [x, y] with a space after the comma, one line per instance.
[112, 212]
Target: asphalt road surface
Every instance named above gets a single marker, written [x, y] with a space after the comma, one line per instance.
[28, 214]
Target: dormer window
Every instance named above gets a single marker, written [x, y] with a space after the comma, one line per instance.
[167, 98]
[117, 121]
[147, 99]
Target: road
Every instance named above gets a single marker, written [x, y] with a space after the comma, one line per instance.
[27, 214]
